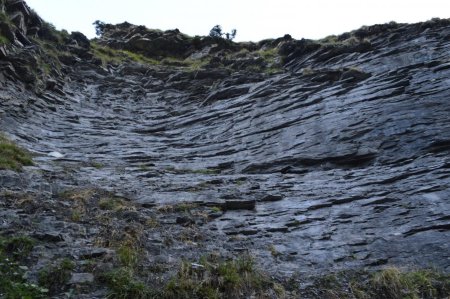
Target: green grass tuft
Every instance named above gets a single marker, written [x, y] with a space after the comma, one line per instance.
[390, 283]
[393, 283]
[122, 284]
[17, 248]
[4, 40]
[215, 278]
[13, 251]
[111, 203]
[11, 156]
[128, 255]
[54, 278]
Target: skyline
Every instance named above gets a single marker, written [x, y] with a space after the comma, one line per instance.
[254, 20]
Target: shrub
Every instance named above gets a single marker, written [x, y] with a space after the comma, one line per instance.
[216, 32]
[99, 27]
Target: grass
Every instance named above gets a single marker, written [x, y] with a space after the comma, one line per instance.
[144, 167]
[12, 283]
[216, 209]
[109, 55]
[112, 56]
[17, 248]
[80, 202]
[76, 216]
[49, 63]
[152, 222]
[97, 165]
[389, 283]
[112, 204]
[215, 278]
[269, 64]
[4, 40]
[11, 156]
[128, 256]
[122, 285]
[269, 54]
[4, 18]
[189, 64]
[54, 278]
[334, 40]
[13, 252]
[393, 283]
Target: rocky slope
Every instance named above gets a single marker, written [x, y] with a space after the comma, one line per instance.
[310, 156]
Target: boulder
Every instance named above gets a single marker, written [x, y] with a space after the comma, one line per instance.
[80, 39]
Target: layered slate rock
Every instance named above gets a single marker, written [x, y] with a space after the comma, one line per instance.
[340, 160]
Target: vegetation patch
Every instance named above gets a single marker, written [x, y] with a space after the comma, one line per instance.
[216, 209]
[390, 283]
[11, 156]
[81, 203]
[393, 283]
[188, 64]
[97, 165]
[128, 255]
[213, 277]
[18, 248]
[177, 208]
[122, 283]
[4, 40]
[109, 55]
[54, 278]
[13, 252]
[12, 281]
[112, 204]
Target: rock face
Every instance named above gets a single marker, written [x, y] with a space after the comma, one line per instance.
[340, 159]
[31, 49]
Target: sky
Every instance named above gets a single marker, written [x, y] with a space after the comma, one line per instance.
[254, 19]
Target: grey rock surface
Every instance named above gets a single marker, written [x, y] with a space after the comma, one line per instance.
[341, 161]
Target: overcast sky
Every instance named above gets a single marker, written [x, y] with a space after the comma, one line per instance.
[254, 19]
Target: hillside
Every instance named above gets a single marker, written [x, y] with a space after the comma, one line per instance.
[170, 166]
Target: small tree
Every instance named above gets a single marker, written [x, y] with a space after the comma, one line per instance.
[216, 32]
[99, 27]
[233, 34]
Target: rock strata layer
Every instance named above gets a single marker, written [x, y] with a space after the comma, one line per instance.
[339, 160]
